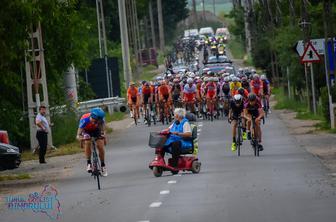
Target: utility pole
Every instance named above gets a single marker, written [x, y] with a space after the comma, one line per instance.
[161, 28]
[151, 18]
[305, 25]
[36, 80]
[203, 6]
[124, 42]
[326, 22]
[195, 13]
[214, 7]
[102, 43]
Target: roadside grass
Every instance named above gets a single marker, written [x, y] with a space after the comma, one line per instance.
[148, 73]
[67, 149]
[248, 60]
[302, 112]
[236, 47]
[116, 116]
[20, 176]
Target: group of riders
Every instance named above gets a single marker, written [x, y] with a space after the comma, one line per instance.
[209, 96]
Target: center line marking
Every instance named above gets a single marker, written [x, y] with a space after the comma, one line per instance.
[155, 204]
[172, 181]
[163, 192]
[143, 221]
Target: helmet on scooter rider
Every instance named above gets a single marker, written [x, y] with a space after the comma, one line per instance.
[97, 113]
[190, 80]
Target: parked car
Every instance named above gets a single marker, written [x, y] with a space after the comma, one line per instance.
[10, 156]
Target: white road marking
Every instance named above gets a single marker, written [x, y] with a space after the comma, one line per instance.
[143, 221]
[155, 204]
[164, 192]
[198, 134]
[199, 130]
[172, 181]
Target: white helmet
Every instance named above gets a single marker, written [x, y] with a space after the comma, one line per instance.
[227, 79]
[232, 76]
[263, 77]
[190, 80]
[234, 79]
[212, 79]
[192, 75]
[238, 98]
[206, 79]
[216, 79]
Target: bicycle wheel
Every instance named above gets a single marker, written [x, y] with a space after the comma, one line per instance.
[148, 117]
[238, 140]
[96, 168]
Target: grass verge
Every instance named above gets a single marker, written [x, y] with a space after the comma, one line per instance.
[283, 102]
[148, 73]
[116, 116]
[20, 176]
[236, 47]
[67, 149]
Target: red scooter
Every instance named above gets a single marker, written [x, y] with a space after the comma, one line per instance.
[186, 162]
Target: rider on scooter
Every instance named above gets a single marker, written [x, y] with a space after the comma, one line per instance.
[180, 130]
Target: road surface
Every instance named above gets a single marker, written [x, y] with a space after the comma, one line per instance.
[284, 184]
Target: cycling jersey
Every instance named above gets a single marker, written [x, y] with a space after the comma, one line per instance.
[146, 90]
[256, 86]
[163, 90]
[236, 110]
[253, 109]
[210, 89]
[226, 89]
[189, 89]
[235, 86]
[132, 94]
[87, 125]
[266, 85]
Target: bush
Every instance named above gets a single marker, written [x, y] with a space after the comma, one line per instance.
[64, 128]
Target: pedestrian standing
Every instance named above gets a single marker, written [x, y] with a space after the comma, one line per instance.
[42, 132]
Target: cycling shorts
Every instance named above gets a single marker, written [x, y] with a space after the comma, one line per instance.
[146, 98]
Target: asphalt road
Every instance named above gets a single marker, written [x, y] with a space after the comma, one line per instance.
[284, 184]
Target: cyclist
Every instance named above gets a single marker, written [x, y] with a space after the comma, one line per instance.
[245, 83]
[164, 95]
[256, 85]
[266, 90]
[236, 110]
[253, 109]
[92, 124]
[146, 96]
[211, 90]
[235, 85]
[176, 91]
[189, 94]
[133, 99]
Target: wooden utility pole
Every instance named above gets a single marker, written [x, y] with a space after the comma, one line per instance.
[195, 13]
[327, 20]
[151, 18]
[214, 7]
[161, 27]
[203, 6]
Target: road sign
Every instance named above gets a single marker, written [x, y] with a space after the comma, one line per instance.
[310, 54]
[317, 43]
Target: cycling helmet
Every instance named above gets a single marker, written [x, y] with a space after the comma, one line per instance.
[263, 77]
[192, 75]
[255, 76]
[190, 80]
[244, 79]
[206, 79]
[234, 79]
[143, 82]
[238, 98]
[97, 113]
[241, 91]
[252, 97]
[216, 79]
[132, 83]
[227, 79]
[211, 79]
[146, 84]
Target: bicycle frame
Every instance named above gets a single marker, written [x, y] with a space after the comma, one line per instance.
[254, 140]
[96, 171]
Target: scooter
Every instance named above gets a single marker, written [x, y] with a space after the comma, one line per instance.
[186, 162]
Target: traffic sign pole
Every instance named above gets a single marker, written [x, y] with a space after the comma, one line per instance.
[313, 87]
